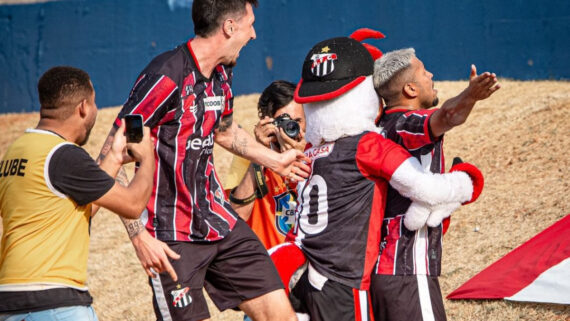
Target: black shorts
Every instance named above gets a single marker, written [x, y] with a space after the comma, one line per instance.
[406, 297]
[234, 269]
[335, 301]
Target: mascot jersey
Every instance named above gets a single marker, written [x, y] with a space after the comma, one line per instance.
[341, 205]
[400, 247]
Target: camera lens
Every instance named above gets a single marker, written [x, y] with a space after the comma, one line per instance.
[291, 128]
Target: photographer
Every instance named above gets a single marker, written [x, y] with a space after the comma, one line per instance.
[47, 201]
[263, 198]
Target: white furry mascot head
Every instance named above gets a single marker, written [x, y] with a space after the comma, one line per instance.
[337, 90]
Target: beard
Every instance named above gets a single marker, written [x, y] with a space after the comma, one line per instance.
[89, 127]
[435, 102]
[86, 138]
[232, 63]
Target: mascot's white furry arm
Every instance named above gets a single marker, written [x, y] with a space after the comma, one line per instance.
[421, 213]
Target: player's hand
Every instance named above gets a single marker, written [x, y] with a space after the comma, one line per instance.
[143, 151]
[286, 143]
[481, 86]
[293, 165]
[265, 132]
[153, 254]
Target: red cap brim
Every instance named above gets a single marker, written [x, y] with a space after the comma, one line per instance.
[310, 92]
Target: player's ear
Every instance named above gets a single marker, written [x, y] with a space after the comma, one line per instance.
[228, 27]
[410, 90]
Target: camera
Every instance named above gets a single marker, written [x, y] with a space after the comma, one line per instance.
[290, 126]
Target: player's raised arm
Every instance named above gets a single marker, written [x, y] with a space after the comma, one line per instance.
[455, 111]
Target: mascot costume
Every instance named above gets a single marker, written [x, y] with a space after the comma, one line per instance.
[341, 204]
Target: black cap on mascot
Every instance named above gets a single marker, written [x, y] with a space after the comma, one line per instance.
[333, 67]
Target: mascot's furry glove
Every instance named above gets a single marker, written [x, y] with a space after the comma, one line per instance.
[420, 213]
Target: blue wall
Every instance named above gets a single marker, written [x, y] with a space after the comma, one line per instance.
[113, 40]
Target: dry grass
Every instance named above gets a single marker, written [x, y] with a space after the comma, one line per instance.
[518, 138]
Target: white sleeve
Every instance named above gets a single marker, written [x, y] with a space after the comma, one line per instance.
[415, 183]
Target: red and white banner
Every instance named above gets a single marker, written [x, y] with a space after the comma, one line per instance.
[536, 271]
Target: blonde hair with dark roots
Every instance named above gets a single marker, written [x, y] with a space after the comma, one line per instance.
[390, 72]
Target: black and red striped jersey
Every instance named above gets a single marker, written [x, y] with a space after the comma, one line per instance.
[341, 205]
[405, 252]
[183, 108]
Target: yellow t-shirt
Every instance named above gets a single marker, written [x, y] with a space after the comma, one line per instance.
[273, 215]
[237, 171]
[46, 234]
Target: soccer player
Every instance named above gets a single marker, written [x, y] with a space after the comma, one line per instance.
[410, 253]
[185, 97]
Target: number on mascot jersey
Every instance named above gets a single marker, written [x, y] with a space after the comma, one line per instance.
[314, 200]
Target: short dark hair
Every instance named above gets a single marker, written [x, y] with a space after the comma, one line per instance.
[277, 95]
[60, 88]
[208, 15]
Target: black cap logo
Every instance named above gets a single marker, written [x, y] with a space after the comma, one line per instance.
[323, 63]
[331, 68]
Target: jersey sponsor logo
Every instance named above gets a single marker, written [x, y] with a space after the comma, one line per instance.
[323, 64]
[201, 143]
[11, 167]
[181, 297]
[319, 151]
[214, 103]
[284, 212]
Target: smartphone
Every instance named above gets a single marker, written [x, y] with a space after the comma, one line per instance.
[134, 128]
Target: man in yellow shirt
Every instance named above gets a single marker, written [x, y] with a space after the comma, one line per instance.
[49, 188]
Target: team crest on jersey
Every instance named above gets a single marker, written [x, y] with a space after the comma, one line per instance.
[181, 297]
[214, 103]
[284, 212]
[323, 63]
[193, 108]
[319, 151]
[219, 195]
[188, 90]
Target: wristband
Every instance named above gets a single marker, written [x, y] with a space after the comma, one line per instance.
[241, 201]
[260, 189]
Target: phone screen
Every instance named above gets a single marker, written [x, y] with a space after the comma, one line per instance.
[134, 126]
